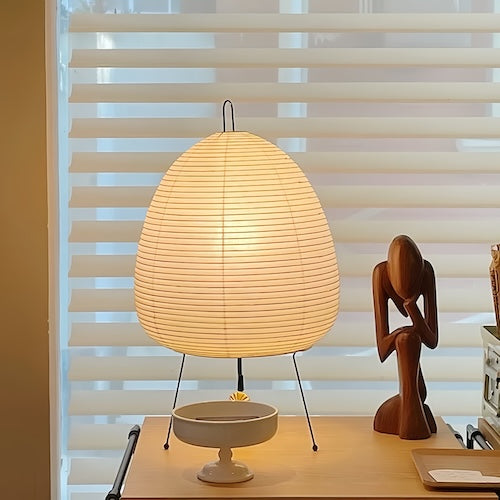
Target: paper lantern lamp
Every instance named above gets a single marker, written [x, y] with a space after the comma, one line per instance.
[236, 258]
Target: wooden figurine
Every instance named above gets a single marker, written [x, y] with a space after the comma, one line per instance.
[495, 281]
[403, 278]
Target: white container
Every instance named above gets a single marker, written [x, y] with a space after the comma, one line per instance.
[225, 425]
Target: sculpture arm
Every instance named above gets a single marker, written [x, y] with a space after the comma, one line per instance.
[385, 341]
[427, 326]
[430, 306]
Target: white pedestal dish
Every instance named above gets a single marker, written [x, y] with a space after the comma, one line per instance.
[225, 425]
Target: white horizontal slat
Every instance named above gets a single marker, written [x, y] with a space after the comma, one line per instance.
[357, 399]
[398, 162]
[271, 368]
[445, 265]
[402, 196]
[436, 230]
[330, 196]
[455, 401]
[102, 266]
[90, 495]
[98, 436]
[351, 264]
[286, 58]
[312, 22]
[92, 231]
[143, 161]
[115, 196]
[93, 470]
[289, 92]
[345, 332]
[455, 295]
[310, 162]
[357, 127]
[87, 300]
[362, 364]
[474, 230]
[109, 334]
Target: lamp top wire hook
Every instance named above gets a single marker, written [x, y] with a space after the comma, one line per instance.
[227, 101]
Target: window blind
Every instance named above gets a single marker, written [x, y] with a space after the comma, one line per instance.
[390, 108]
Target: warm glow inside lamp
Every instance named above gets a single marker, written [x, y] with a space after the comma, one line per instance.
[236, 258]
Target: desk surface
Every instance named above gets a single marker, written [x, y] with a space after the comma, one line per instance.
[353, 461]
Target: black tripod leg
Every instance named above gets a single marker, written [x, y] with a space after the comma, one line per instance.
[166, 445]
[315, 446]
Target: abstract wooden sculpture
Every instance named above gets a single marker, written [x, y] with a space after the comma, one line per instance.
[403, 278]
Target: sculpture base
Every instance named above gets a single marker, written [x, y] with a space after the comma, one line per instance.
[414, 421]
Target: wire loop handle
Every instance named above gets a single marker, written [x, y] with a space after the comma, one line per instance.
[227, 101]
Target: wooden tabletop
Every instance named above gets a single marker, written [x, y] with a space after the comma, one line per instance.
[353, 461]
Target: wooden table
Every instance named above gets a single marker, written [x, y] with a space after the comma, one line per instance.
[353, 461]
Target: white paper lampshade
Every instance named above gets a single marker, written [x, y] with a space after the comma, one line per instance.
[236, 258]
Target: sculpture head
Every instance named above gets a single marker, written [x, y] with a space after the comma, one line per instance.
[405, 267]
[495, 254]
